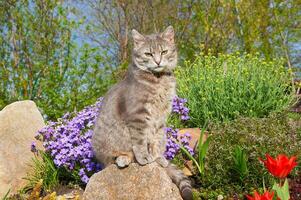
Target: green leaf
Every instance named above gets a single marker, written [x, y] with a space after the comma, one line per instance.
[240, 162]
[282, 191]
[191, 158]
[200, 146]
[6, 195]
[204, 148]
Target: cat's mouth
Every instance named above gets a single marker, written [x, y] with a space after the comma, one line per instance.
[158, 69]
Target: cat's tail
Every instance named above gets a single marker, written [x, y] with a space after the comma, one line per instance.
[182, 181]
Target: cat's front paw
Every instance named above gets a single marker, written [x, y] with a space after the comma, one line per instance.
[142, 157]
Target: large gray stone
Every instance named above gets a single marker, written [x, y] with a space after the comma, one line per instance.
[19, 123]
[149, 182]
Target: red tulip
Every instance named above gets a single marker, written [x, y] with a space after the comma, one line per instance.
[281, 166]
[265, 196]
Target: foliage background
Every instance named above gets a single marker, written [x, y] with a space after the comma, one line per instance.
[65, 54]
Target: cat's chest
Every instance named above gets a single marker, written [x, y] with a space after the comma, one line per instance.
[160, 102]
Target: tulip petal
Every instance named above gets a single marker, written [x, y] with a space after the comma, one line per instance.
[281, 166]
[257, 196]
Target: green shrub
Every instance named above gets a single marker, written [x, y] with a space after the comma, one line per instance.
[222, 88]
[256, 137]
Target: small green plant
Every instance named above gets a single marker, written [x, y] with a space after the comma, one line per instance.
[202, 151]
[240, 165]
[43, 169]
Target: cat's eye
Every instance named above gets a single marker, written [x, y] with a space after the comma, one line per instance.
[148, 54]
[164, 52]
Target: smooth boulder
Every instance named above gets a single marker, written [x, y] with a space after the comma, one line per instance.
[135, 182]
[19, 123]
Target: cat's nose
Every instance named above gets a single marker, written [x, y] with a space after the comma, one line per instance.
[157, 60]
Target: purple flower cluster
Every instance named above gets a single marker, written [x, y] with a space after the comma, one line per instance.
[174, 140]
[185, 139]
[68, 141]
[178, 106]
[172, 147]
[173, 137]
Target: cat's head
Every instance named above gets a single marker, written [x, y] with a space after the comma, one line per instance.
[156, 52]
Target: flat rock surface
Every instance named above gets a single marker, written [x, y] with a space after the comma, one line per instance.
[19, 123]
[135, 182]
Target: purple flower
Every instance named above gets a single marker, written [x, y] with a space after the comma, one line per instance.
[173, 141]
[33, 147]
[178, 107]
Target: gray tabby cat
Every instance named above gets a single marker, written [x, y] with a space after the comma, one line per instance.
[134, 112]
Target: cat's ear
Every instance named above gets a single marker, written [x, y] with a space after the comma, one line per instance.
[169, 34]
[138, 38]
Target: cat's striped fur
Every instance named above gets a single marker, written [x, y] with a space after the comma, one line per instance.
[134, 112]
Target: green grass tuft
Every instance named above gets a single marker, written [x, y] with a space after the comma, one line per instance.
[43, 168]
